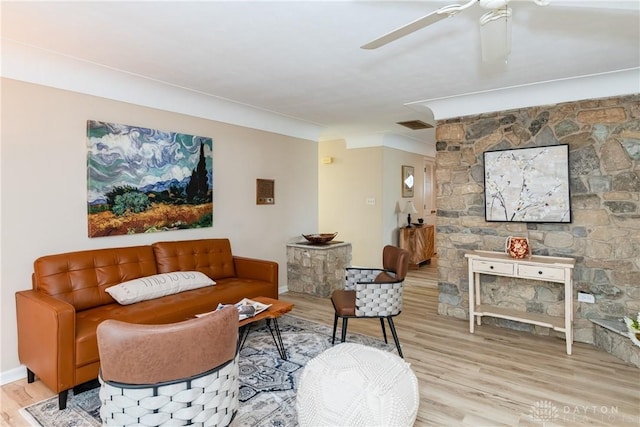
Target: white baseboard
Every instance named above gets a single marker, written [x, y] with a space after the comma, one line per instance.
[12, 375]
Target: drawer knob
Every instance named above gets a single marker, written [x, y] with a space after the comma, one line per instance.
[491, 267]
[539, 272]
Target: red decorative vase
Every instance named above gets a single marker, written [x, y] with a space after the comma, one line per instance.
[517, 247]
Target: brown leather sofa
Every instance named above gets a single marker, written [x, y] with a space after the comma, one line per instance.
[57, 319]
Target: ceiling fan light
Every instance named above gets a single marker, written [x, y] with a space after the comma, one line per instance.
[495, 35]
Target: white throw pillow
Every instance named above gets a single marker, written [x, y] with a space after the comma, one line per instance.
[157, 286]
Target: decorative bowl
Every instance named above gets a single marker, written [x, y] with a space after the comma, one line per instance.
[320, 238]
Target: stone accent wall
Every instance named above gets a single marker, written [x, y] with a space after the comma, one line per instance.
[604, 236]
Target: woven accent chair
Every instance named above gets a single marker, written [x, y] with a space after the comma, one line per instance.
[182, 373]
[373, 293]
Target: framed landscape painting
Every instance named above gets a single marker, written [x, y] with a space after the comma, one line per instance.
[527, 185]
[143, 180]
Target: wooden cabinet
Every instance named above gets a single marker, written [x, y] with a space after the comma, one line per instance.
[418, 241]
[536, 267]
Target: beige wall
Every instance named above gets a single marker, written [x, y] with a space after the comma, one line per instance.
[345, 185]
[44, 185]
[343, 188]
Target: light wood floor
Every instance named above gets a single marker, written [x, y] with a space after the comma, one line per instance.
[490, 378]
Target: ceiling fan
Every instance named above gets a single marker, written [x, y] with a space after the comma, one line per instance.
[495, 26]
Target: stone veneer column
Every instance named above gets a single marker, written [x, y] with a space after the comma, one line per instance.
[604, 236]
[317, 269]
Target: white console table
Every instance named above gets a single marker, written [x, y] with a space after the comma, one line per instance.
[536, 267]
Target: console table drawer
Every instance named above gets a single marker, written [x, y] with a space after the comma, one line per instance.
[493, 267]
[541, 273]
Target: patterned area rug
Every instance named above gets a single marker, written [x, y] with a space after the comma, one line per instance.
[267, 383]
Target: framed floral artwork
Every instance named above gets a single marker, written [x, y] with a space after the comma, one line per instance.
[527, 185]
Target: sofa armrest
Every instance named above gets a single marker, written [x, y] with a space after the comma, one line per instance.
[46, 338]
[257, 269]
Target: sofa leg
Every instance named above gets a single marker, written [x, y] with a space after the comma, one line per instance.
[31, 377]
[335, 327]
[62, 399]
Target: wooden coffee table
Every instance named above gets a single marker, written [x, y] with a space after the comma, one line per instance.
[277, 309]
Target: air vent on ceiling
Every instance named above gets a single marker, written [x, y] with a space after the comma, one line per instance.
[415, 124]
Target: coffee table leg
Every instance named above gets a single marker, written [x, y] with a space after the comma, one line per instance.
[242, 336]
[277, 338]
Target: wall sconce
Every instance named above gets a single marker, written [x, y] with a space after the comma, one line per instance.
[409, 209]
[326, 160]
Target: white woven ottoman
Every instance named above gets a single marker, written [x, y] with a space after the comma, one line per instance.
[355, 385]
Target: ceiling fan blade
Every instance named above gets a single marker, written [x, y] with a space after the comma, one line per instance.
[432, 18]
[419, 23]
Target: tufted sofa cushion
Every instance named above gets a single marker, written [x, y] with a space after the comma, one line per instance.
[80, 278]
[210, 256]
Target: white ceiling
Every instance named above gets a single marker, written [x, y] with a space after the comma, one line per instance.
[302, 59]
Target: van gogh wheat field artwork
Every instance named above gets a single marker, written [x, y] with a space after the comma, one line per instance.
[143, 180]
